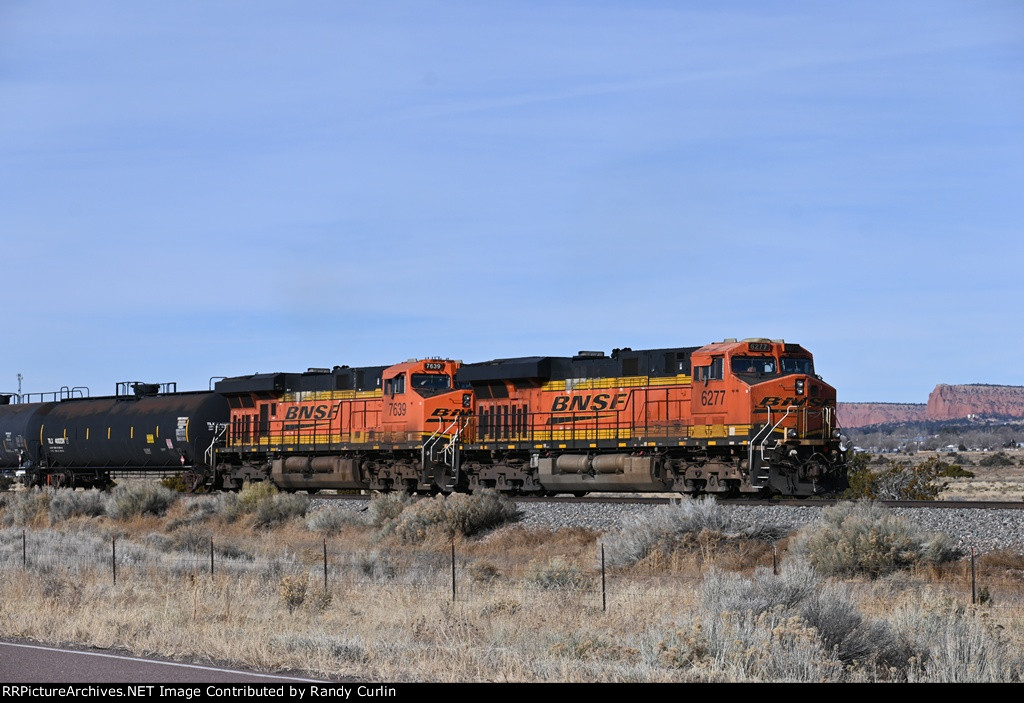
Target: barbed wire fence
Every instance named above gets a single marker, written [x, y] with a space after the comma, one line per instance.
[445, 575]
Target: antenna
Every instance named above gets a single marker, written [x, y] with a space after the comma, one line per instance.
[20, 377]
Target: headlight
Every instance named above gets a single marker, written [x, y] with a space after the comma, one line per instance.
[800, 387]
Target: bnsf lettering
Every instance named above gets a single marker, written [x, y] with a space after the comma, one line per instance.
[776, 402]
[601, 401]
[450, 412]
[323, 411]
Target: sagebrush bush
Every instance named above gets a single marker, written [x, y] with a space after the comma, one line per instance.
[960, 645]
[865, 538]
[468, 515]
[557, 573]
[263, 505]
[26, 509]
[803, 614]
[676, 527]
[379, 566]
[386, 507]
[139, 498]
[197, 511]
[67, 504]
[331, 519]
[456, 514]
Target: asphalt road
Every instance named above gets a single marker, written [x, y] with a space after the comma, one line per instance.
[28, 662]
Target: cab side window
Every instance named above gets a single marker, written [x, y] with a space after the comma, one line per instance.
[711, 372]
[395, 386]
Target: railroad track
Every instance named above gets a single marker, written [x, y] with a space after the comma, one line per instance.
[664, 499]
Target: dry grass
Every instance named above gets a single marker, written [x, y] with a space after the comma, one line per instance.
[529, 606]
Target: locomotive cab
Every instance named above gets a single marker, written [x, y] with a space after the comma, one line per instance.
[421, 400]
[767, 391]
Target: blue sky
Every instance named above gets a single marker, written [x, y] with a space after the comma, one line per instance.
[199, 189]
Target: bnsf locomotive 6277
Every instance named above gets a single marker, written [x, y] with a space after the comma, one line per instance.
[729, 418]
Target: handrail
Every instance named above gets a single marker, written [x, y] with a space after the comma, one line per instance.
[436, 437]
[209, 453]
[449, 453]
[750, 449]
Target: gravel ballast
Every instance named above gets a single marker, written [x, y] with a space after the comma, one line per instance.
[983, 529]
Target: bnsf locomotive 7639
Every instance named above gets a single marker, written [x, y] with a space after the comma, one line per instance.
[734, 417]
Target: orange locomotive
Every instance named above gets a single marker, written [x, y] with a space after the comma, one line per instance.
[734, 417]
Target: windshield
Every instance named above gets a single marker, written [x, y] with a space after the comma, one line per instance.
[796, 364]
[753, 364]
[429, 383]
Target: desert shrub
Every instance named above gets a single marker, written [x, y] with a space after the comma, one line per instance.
[293, 591]
[468, 515]
[556, 573]
[330, 519]
[790, 626]
[960, 460]
[742, 633]
[174, 483]
[191, 539]
[996, 460]
[457, 514]
[865, 538]
[67, 504]
[245, 502]
[376, 565]
[419, 519]
[139, 498]
[386, 507]
[681, 526]
[955, 471]
[483, 572]
[263, 505]
[959, 645]
[26, 509]
[279, 509]
[901, 480]
[196, 511]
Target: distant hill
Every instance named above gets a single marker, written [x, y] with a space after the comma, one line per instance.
[946, 402]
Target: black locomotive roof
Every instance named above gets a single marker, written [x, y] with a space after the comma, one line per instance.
[340, 378]
[622, 362]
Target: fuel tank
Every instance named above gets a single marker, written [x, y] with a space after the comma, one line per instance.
[131, 432]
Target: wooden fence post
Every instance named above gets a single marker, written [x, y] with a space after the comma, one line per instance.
[974, 597]
[604, 595]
